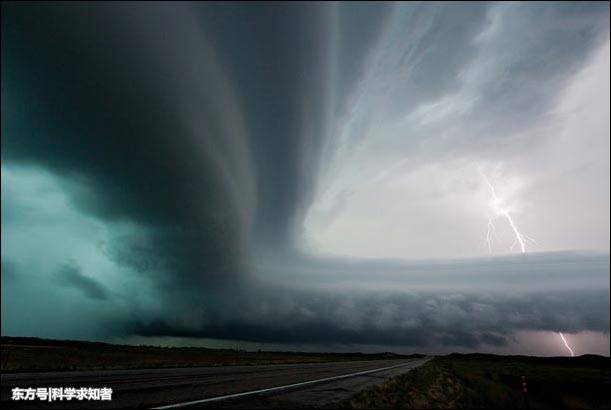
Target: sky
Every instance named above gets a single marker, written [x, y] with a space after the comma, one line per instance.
[409, 177]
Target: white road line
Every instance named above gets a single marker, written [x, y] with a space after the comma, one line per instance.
[286, 386]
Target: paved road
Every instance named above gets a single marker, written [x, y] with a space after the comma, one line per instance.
[310, 385]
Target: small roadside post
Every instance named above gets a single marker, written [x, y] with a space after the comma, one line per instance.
[525, 392]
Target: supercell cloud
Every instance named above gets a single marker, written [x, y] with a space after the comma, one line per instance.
[306, 176]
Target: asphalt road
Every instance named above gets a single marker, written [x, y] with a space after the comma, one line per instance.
[270, 386]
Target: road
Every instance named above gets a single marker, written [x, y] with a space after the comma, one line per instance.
[291, 385]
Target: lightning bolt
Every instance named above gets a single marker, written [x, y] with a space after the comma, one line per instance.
[566, 344]
[490, 234]
[501, 211]
[520, 238]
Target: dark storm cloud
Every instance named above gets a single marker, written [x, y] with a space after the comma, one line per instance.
[441, 45]
[129, 104]
[203, 130]
[279, 58]
[132, 103]
[468, 303]
[504, 64]
[493, 340]
[532, 50]
[468, 319]
[9, 273]
[70, 275]
[135, 103]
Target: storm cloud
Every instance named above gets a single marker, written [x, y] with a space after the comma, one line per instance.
[70, 276]
[307, 173]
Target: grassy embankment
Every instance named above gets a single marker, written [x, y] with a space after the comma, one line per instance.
[489, 381]
[33, 354]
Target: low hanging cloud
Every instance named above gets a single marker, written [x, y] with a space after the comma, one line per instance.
[394, 319]
[70, 276]
[462, 303]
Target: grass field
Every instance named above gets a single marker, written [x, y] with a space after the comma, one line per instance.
[489, 381]
[33, 354]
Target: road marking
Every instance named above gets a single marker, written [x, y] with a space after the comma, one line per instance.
[286, 386]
